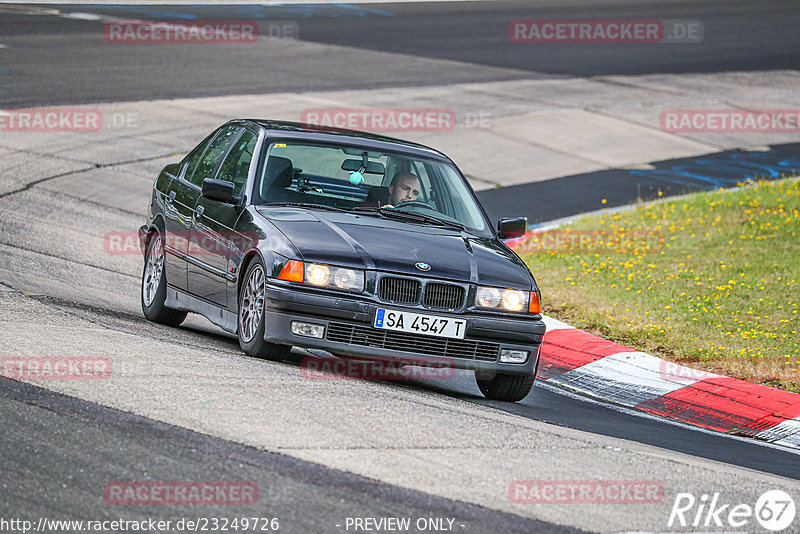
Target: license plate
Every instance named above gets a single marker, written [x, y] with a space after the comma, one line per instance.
[417, 323]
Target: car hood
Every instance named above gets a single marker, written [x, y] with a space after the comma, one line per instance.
[397, 246]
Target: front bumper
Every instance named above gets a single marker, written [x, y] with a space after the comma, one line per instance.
[348, 331]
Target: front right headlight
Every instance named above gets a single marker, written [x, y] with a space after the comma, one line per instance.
[322, 275]
[501, 299]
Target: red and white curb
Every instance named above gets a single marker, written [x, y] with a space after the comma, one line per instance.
[603, 369]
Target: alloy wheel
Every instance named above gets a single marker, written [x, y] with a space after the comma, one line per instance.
[251, 309]
[152, 274]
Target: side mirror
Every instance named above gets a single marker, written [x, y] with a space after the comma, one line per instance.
[511, 227]
[218, 190]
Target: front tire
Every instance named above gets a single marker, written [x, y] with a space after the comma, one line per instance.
[503, 387]
[154, 286]
[251, 316]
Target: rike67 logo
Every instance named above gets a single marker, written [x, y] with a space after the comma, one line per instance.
[774, 510]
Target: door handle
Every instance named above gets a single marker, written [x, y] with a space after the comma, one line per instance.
[200, 210]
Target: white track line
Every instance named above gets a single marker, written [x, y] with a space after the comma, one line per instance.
[627, 378]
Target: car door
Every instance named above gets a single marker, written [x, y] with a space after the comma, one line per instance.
[213, 235]
[178, 205]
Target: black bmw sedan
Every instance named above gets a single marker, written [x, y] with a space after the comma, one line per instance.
[361, 245]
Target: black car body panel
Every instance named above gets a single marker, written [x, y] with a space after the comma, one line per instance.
[381, 244]
[210, 244]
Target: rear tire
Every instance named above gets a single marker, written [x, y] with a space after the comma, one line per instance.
[503, 387]
[154, 286]
[251, 316]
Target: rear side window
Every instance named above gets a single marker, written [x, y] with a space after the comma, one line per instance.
[216, 151]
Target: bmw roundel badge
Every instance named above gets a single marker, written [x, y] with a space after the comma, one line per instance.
[423, 266]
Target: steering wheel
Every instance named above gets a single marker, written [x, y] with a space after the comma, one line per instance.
[414, 204]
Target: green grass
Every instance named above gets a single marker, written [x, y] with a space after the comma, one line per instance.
[707, 280]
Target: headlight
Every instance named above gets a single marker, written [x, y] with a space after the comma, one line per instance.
[488, 297]
[318, 274]
[348, 279]
[502, 299]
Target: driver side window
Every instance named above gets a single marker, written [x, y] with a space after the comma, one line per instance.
[190, 162]
[216, 150]
[236, 166]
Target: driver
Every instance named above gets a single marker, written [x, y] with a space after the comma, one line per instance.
[404, 188]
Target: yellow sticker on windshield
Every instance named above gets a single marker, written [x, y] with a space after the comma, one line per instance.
[279, 145]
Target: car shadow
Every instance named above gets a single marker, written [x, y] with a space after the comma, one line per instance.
[322, 365]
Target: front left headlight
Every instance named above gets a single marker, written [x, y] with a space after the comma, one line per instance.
[500, 299]
[321, 275]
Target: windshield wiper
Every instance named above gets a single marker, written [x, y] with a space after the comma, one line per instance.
[307, 205]
[409, 216]
[389, 213]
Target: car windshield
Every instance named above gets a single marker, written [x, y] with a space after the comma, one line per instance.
[369, 182]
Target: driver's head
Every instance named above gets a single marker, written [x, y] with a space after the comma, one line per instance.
[404, 187]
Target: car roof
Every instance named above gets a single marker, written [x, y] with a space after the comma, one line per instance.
[296, 130]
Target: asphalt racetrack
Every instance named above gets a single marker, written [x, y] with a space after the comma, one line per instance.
[63, 62]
